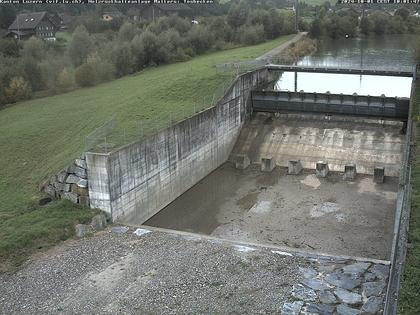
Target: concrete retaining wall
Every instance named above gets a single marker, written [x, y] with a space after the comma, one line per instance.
[134, 183]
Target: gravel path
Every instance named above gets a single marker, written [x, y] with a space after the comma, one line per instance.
[276, 51]
[156, 272]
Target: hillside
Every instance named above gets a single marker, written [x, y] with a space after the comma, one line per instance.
[41, 136]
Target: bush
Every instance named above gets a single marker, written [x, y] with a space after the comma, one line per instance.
[34, 48]
[18, 90]
[252, 34]
[103, 70]
[127, 31]
[85, 75]
[123, 59]
[33, 73]
[65, 80]
[9, 47]
[200, 39]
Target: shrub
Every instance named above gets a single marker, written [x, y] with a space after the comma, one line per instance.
[85, 75]
[65, 80]
[80, 46]
[251, 34]
[34, 48]
[123, 59]
[103, 70]
[200, 39]
[18, 90]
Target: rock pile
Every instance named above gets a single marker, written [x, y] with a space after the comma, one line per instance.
[341, 287]
[71, 183]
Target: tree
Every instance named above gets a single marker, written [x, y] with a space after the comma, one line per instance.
[7, 15]
[18, 90]
[34, 48]
[238, 14]
[365, 26]
[9, 47]
[251, 34]
[123, 59]
[32, 73]
[200, 39]
[403, 12]
[85, 75]
[418, 51]
[316, 28]
[65, 80]
[80, 46]
[127, 31]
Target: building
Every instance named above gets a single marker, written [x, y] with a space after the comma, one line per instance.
[32, 24]
[110, 15]
[157, 10]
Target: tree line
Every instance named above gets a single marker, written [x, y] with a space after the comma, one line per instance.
[349, 23]
[94, 55]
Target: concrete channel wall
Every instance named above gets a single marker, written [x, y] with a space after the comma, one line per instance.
[135, 182]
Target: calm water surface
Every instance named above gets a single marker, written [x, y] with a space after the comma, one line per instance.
[388, 52]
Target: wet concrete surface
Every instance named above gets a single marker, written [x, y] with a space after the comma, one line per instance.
[326, 215]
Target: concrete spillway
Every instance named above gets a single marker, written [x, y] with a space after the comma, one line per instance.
[337, 140]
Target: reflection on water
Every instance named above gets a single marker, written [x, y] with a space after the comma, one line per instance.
[344, 83]
[387, 52]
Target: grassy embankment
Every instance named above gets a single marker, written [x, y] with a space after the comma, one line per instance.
[41, 136]
[409, 302]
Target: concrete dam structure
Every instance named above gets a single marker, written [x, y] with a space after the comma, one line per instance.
[223, 172]
[312, 175]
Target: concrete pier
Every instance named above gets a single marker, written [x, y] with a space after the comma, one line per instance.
[350, 172]
[322, 169]
[242, 161]
[379, 175]
[268, 164]
[295, 167]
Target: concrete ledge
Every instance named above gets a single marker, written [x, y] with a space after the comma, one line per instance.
[379, 175]
[322, 169]
[242, 161]
[295, 167]
[350, 172]
[268, 164]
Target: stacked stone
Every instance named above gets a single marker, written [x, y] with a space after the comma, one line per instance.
[71, 183]
[342, 287]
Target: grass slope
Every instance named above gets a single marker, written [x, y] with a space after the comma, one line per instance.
[39, 137]
[409, 302]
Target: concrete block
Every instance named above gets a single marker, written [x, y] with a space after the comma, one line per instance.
[379, 175]
[268, 164]
[50, 190]
[349, 172]
[242, 161]
[322, 169]
[295, 167]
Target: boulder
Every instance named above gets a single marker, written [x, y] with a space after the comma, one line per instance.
[348, 297]
[292, 308]
[80, 163]
[70, 196]
[345, 310]
[373, 288]
[50, 190]
[72, 179]
[327, 297]
[372, 306]
[61, 177]
[120, 229]
[82, 230]
[80, 172]
[302, 293]
[79, 191]
[99, 222]
[322, 169]
[82, 183]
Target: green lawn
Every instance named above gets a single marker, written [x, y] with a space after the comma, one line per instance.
[41, 136]
[409, 303]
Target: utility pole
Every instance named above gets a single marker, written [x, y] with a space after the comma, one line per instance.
[297, 16]
[17, 20]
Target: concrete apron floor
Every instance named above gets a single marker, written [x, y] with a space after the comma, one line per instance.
[150, 271]
[305, 212]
